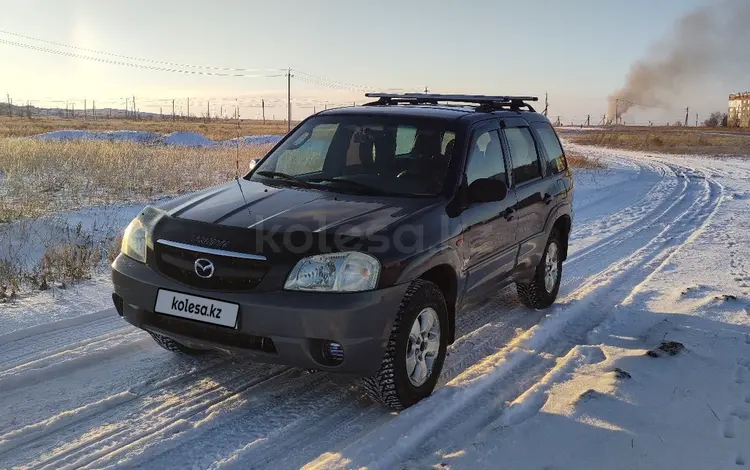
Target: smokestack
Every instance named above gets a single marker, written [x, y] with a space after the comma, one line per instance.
[711, 42]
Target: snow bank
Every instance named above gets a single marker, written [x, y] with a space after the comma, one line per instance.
[182, 139]
[187, 139]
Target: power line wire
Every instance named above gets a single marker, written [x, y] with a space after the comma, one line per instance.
[130, 64]
[174, 64]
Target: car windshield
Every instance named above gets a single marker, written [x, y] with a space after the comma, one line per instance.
[363, 154]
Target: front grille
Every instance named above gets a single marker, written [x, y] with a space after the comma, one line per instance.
[230, 273]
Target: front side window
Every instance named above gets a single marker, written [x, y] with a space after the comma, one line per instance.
[523, 153]
[486, 158]
[366, 154]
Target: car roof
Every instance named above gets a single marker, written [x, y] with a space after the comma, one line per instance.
[466, 113]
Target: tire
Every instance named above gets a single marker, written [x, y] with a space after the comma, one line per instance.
[391, 385]
[171, 345]
[538, 294]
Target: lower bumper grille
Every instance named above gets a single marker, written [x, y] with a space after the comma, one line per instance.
[219, 335]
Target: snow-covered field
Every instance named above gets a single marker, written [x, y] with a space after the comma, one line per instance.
[660, 253]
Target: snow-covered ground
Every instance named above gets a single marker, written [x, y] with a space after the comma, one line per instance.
[660, 253]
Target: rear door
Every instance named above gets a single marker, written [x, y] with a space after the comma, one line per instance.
[490, 226]
[531, 188]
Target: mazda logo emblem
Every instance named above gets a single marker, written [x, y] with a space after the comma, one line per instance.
[204, 268]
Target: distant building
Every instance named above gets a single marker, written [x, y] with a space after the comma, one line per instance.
[739, 110]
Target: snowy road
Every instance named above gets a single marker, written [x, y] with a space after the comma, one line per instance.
[656, 240]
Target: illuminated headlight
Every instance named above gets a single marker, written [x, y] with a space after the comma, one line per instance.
[134, 241]
[335, 272]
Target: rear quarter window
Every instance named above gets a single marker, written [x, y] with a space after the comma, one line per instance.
[555, 155]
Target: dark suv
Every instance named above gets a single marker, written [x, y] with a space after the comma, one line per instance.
[354, 243]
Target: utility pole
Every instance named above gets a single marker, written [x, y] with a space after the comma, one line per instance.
[221, 111]
[10, 105]
[84, 109]
[93, 109]
[73, 110]
[173, 110]
[188, 108]
[588, 120]
[289, 100]
[161, 116]
[208, 109]
[546, 104]
[263, 109]
[135, 113]
[127, 110]
[687, 114]
[696, 119]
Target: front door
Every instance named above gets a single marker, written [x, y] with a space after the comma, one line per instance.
[490, 227]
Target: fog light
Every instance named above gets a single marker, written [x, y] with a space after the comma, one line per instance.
[333, 352]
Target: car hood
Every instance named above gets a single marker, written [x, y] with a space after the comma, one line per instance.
[251, 204]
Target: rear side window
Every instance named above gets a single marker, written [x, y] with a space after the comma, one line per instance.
[486, 158]
[551, 144]
[523, 153]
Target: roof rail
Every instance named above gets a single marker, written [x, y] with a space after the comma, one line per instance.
[487, 103]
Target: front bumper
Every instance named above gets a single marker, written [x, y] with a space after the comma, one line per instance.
[297, 323]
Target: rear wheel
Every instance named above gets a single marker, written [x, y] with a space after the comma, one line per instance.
[416, 349]
[542, 291]
[171, 345]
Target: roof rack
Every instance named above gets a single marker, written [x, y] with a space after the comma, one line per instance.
[487, 103]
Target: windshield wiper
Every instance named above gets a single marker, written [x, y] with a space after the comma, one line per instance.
[353, 184]
[284, 176]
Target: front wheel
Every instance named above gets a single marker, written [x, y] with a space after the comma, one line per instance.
[416, 349]
[541, 292]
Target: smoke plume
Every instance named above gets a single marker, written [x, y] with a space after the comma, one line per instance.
[712, 42]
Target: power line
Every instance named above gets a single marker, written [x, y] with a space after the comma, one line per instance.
[340, 85]
[130, 64]
[174, 64]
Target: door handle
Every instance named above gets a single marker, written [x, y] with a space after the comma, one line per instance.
[508, 213]
[547, 199]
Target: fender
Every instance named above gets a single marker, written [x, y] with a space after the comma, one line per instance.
[557, 212]
[443, 254]
[560, 210]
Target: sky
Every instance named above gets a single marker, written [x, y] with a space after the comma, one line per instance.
[577, 51]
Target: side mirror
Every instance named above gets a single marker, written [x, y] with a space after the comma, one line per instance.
[254, 162]
[487, 190]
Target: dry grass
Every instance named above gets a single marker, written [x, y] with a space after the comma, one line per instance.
[717, 141]
[38, 177]
[576, 160]
[213, 129]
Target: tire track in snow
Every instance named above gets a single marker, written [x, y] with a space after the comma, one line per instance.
[30, 433]
[163, 410]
